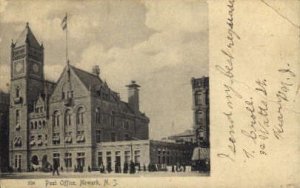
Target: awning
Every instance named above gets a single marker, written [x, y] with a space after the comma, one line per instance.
[80, 138]
[68, 139]
[200, 154]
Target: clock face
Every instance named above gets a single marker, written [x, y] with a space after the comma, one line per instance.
[19, 66]
[35, 68]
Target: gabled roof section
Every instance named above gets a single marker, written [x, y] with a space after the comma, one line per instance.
[40, 101]
[88, 79]
[27, 37]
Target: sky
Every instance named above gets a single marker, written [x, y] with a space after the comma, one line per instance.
[160, 44]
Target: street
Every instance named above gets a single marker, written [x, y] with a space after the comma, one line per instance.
[42, 175]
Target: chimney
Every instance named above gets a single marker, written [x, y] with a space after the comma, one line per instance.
[133, 96]
[96, 70]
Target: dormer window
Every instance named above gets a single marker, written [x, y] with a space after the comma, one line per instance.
[70, 94]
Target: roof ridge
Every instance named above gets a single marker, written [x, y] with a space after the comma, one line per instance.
[84, 71]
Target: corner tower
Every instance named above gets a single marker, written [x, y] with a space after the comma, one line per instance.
[27, 79]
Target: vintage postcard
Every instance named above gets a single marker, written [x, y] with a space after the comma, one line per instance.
[145, 93]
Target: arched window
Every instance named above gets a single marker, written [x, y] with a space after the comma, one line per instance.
[97, 115]
[56, 117]
[79, 116]
[35, 125]
[68, 116]
[44, 124]
[31, 125]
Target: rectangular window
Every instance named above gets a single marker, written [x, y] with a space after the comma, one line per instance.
[70, 94]
[198, 98]
[18, 161]
[137, 156]
[98, 115]
[199, 117]
[17, 116]
[68, 137]
[81, 159]
[127, 156]
[17, 92]
[98, 136]
[32, 138]
[56, 139]
[68, 160]
[80, 136]
[39, 141]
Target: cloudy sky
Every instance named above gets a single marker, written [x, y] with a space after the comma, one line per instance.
[160, 44]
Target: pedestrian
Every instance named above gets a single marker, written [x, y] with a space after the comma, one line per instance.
[173, 168]
[132, 167]
[109, 168]
[55, 167]
[102, 169]
[125, 169]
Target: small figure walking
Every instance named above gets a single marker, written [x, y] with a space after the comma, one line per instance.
[55, 167]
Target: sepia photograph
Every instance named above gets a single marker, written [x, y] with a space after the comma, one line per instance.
[104, 89]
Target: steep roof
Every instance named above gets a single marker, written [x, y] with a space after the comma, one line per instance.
[27, 36]
[88, 79]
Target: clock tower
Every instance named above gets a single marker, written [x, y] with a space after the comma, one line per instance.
[27, 81]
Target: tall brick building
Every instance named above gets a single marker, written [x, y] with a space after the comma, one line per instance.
[67, 120]
[200, 88]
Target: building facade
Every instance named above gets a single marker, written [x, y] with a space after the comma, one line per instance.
[186, 137]
[200, 89]
[4, 130]
[65, 120]
[143, 153]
